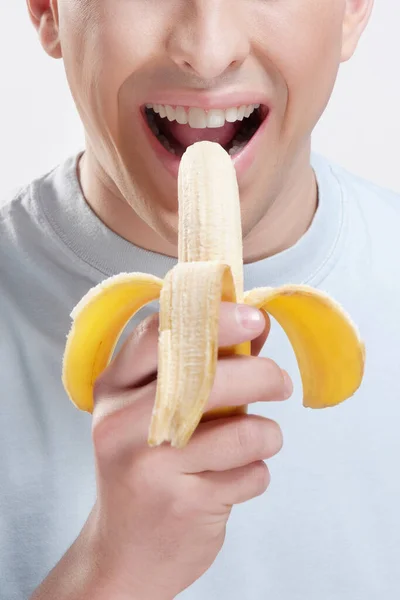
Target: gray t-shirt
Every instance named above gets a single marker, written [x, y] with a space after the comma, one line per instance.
[329, 526]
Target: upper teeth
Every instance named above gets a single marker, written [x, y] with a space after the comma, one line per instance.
[197, 118]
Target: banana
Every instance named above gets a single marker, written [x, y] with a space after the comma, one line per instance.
[327, 344]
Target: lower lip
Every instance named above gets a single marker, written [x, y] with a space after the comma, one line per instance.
[242, 160]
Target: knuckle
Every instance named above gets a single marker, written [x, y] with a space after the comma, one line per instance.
[101, 388]
[146, 327]
[107, 421]
[103, 436]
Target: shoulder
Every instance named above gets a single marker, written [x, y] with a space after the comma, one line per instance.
[13, 211]
[369, 206]
[22, 221]
[23, 239]
[15, 233]
[29, 255]
[372, 199]
[17, 211]
[373, 232]
[8, 203]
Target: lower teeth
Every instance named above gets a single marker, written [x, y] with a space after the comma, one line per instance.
[236, 148]
[241, 140]
[165, 143]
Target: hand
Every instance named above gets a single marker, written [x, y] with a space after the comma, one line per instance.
[161, 513]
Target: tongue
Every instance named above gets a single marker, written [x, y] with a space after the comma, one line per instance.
[186, 136]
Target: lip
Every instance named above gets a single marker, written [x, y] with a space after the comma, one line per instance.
[242, 160]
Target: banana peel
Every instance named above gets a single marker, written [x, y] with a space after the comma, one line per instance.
[327, 344]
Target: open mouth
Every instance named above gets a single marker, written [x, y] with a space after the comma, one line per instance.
[178, 127]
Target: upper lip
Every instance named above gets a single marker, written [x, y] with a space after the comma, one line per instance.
[208, 101]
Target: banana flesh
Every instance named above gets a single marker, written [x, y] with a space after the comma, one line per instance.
[188, 347]
[328, 347]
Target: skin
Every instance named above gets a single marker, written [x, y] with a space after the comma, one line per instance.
[117, 54]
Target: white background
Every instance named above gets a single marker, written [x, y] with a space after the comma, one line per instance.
[39, 126]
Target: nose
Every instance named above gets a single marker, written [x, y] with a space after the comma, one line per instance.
[208, 39]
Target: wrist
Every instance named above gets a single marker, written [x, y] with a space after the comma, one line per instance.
[84, 573]
[109, 579]
[106, 587]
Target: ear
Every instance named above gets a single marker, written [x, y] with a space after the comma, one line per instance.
[44, 16]
[356, 17]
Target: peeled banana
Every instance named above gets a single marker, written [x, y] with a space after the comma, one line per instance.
[327, 344]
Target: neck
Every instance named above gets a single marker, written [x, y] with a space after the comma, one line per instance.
[289, 214]
[287, 219]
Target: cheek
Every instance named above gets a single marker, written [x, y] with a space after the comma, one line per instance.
[312, 68]
[303, 47]
[104, 52]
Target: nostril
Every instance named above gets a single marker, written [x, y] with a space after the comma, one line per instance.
[234, 64]
[188, 67]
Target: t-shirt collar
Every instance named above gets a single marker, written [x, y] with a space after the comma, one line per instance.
[93, 242]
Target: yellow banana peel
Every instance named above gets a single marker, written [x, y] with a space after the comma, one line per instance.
[326, 343]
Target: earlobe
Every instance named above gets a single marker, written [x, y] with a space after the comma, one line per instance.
[44, 16]
[356, 17]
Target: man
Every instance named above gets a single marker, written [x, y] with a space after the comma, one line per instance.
[87, 509]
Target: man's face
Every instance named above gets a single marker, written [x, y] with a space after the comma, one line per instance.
[121, 55]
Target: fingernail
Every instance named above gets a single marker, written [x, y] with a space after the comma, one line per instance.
[287, 384]
[248, 317]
